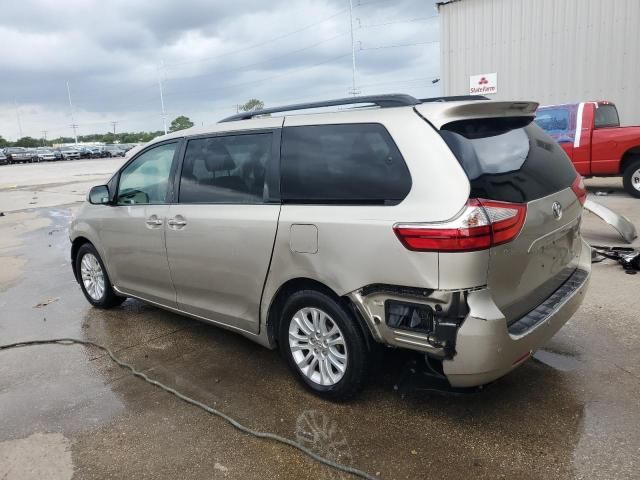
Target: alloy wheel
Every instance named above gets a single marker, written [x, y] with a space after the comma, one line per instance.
[92, 276]
[318, 346]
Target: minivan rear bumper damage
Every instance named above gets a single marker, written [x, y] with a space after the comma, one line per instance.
[470, 334]
[487, 348]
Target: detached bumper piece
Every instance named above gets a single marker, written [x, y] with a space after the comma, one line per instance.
[550, 305]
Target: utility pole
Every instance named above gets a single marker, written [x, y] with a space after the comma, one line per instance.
[15, 102]
[73, 125]
[113, 124]
[164, 115]
[354, 91]
[75, 133]
[44, 137]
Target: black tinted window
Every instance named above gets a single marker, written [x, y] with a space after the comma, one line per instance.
[607, 116]
[356, 163]
[228, 169]
[509, 162]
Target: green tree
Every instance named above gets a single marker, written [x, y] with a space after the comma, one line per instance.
[3, 142]
[180, 123]
[28, 142]
[251, 105]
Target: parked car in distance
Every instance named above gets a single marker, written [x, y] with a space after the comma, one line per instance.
[598, 146]
[3, 158]
[90, 152]
[113, 151]
[45, 155]
[69, 153]
[18, 155]
[447, 228]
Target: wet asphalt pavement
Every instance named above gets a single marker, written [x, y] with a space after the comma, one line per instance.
[68, 411]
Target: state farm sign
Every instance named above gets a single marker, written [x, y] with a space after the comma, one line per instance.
[486, 83]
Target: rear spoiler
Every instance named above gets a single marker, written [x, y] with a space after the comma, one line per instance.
[441, 113]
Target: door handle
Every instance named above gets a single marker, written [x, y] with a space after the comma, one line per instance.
[154, 221]
[175, 222]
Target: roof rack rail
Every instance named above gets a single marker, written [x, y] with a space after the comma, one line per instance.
[454, 98]
[382, 101]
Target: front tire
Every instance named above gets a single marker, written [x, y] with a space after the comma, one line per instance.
[631, 179]
[94, 280]
[323, 345]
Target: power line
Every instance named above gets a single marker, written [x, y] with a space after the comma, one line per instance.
[394, 22]
[259, 44]
[268, 61]
[265, 79]
[400, 45]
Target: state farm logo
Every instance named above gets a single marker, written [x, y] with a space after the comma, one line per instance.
[483, 84]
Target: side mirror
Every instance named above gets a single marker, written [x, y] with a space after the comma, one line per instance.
[99, 195]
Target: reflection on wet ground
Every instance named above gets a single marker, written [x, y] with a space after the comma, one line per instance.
[572, 412]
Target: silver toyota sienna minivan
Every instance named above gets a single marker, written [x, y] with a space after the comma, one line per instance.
[451, 228]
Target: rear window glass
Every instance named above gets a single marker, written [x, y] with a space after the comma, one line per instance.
[607, 116]
[346, 164]
[553, 120]
[510, 160]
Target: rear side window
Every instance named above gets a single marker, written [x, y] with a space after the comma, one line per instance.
[343, 164]
[509, 159]
[553, 120]
[226, 169]
[607, 116]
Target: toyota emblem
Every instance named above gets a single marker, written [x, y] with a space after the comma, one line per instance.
[556, 209]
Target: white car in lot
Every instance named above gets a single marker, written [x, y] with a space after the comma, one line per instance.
[69, 153]
[45, 155]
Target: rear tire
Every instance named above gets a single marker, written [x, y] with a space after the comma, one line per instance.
[334, 363]
[94, 280]
[631, 178]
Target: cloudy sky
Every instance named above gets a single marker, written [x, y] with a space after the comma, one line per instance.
[216, 54]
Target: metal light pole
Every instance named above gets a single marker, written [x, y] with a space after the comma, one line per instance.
[44, 136]
[164, 115]
[113, 124]
[73, 123]
[15, 102]
[353, 91]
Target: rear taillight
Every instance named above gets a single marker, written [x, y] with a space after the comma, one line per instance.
[579, 189]
[483, 224]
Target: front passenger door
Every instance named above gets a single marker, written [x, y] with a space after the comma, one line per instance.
[132, 231]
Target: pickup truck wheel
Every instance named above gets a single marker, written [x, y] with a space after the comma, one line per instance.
[631, 179]
[323, 345]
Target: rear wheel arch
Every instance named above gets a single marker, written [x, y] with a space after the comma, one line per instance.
[629, 167]
[629, 157]
[299, 284]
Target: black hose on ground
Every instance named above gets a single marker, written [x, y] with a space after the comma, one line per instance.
[206, 408]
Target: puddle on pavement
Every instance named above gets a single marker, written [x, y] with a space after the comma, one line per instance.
[557, 361]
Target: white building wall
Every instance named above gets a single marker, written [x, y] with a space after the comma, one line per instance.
[550, 51]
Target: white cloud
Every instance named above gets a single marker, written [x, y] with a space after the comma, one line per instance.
[216, 54]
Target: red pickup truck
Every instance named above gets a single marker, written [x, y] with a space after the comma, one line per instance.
[598, 146]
